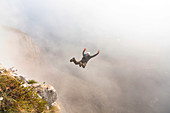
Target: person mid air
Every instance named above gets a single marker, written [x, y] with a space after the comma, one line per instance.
[85, 59]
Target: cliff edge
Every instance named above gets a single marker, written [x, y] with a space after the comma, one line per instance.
[17, 94]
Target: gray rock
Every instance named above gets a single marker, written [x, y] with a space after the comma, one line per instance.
[23, 78]
[47, 92]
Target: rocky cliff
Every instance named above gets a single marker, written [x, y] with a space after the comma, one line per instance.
[19, 50]
[17, 94]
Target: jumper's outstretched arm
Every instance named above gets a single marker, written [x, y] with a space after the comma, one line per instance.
[95, 54]
[84, 51]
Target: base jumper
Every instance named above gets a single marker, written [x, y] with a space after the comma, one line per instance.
[85, 59]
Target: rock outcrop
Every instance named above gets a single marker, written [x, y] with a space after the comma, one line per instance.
[47, 92]
[44, 91]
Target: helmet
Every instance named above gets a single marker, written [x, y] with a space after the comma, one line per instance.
[88, 53]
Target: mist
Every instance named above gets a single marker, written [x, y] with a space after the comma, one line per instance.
[131, 73]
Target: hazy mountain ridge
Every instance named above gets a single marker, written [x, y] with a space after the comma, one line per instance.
[29, 49]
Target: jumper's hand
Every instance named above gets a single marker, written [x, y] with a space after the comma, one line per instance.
[84, 49]
[98, 51]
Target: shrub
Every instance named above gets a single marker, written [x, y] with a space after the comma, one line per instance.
[31, 82]
[17, 98]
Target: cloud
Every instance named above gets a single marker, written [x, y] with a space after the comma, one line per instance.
[130, 74]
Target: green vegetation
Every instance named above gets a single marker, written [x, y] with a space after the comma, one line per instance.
[31, 82]
[14, 97]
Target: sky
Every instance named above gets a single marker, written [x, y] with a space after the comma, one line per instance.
[87, 21]
[131, 73]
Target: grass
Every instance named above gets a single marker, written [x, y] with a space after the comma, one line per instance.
[32, 81]
[17, 98]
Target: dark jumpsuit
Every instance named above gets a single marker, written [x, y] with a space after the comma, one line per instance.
[84, 60]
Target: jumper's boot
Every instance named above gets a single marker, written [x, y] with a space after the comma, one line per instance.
[80, 64]
[84, 65]
[71, 60]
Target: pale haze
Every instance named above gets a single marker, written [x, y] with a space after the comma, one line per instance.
[130, 75]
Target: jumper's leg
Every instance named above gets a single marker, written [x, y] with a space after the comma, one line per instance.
[80, 64]
[71, 60]
[84, 65]
[75, 61]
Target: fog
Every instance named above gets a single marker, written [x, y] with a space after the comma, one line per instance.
[131, 73]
